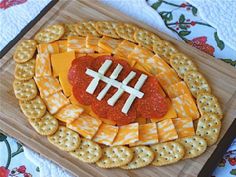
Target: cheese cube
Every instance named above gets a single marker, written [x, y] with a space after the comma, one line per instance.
[43, 65]
[147, 134]
[178, 89]
[69, 113]
[124, 48]
[55, 102]
[50, 48]
[185, 106]
[166, 130]
[108, 44]
[85, 125]
[47, 85]
[106, 134]
[78, 44]
[127, 134]
[184, 127]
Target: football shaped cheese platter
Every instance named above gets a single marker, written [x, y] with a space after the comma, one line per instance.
[100, 93]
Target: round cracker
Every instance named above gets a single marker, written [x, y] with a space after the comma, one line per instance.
[34, 108]
[107, 28]
[182, 64]
[146, 38]
[167, 153]
[25, 90]
[70, 30]
[25, 51]
[50, 33]
[208, 127]
[208, 103]
[88, 151]
[46, 125]
[87, 28]
[194, 146]
[115, 156]
[196, 82]
[164, 49]
[143, 156]
[65, 139]
[126, 31]
[25, 71]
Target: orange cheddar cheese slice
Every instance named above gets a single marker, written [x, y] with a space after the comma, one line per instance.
[50, 48]
[166, 130]
[55, 102]
[106, 121]
[142, 67]
[85, 125]
[157, 65]
[66, 86]
[168, 78]
[62, 44]
[171, 113]
[147, 134]
[78, 44]
[185, 106]
[69, 113]
[101, 50]
[141, 54]
[141, 120]
[177, 89]
[127, 134]
[92, 42]
[124, 48]
[184, 127]
[108, 44]
[73, 101]
[98, 54]
[106, 134]
[131, 62]
[61, 62]
[47, 85]
[43, 65]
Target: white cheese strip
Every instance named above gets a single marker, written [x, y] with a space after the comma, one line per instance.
[114, 75]
[131, 98]
[120, 91]
[102, 70]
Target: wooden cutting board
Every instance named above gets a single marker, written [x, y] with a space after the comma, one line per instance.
[221, 76]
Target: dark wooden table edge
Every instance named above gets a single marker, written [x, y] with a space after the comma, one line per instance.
[219, 152]
[27, 28]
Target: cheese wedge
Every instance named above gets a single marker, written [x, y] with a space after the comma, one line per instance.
[178, 89]
[108, 44]
[43, 65]
[185, 106]
[50, 48]
[166, 130]
[184, 127]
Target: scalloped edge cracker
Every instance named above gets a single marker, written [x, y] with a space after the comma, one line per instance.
[196, 83]
[25, 51]
[65, 139]
[70, 30]
[46, 125]
[25, 71]
[208, 103]
[194, 146]
[107, 28]
[182, 64]
[115, 156]
[167, 153]
[143, 156]
[88, 151]
[208, 127]
[126, 31]
[87, 28]
[50, 33]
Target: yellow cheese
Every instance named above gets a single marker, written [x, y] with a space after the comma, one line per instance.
[106, 134]
[62, 62]
[108, 44]
[178, 89]
[78, 44]
[73, 101]
[185, 106]
[141, 54]
[184, 127]
[131, 62]
[157, 65]
[141, 120]
[55, 102]
[69, 113]
[147, 134]
[50, 48]
[166, 130]
[43, 65]
[127, 134]
[142, 67]
[62, 44]
[66, 86]
[124, 48]
[98, 54]
[92, 42]
[85, 125]
[47, 85]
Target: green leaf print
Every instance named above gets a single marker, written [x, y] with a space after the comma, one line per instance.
[156, 4]
[181, 18]
[184, 33]
[194, 11]
[233, 63]
[2, 137]
[219, 42]
[233, 172]
[166, 16]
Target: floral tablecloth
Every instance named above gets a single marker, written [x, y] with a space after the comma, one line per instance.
[182, 19]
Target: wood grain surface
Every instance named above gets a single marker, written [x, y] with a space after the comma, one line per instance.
[221, 76]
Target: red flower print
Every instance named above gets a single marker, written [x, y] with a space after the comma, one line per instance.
[200, 43]
[21, 169]
[193, 23]
[4, 172]
[27, 175]
[4, 4]
[183, 5]
[232, 161]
